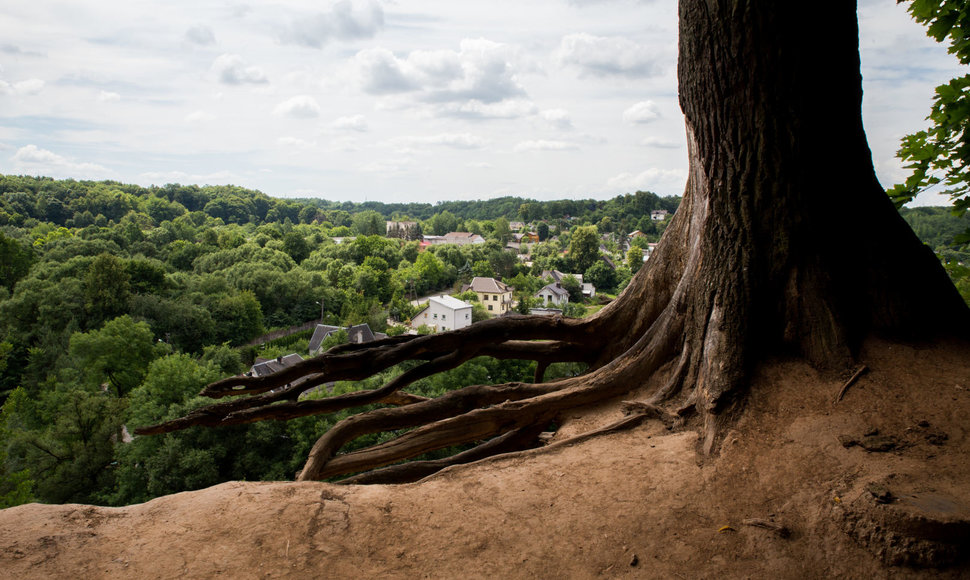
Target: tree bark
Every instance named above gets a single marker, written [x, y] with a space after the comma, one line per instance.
[784, 242]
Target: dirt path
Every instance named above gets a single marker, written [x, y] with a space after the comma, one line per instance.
[638, 504]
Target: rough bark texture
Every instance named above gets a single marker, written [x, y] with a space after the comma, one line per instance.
[784, 241]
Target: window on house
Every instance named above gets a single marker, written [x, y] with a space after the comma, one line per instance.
[436, 317]
[443, 317]
[489, 306]
[495, 297]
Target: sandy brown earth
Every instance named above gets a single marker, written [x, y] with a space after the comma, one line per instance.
[794, 493]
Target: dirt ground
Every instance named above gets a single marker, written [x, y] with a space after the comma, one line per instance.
[804, 487]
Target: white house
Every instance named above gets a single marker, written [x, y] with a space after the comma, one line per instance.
[444, 313]
[553, 295]
[463, 238]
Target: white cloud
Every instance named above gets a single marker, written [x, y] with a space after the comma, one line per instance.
[472, 80]
[231, 69]
[201, 35]
[296, 142]
[450, 140]
[343, 145]
[298, 107]
[386, 166]
[183, 177]
[661, 143]
[108, 97]
[543, 145]
[653, 178]
[608, 56]
[350, 123]
[558, 118]
[436, 65]
[642, 112]
[34, 160]
[199, 117]
[509, 109]
[381, 73]
[26, 87]
[346, 21]
[17, 51]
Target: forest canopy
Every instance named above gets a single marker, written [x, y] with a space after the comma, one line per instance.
[119, 302]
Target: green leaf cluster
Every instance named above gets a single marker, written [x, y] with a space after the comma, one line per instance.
[940, 155]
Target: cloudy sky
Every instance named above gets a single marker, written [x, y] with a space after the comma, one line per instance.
[392, 100]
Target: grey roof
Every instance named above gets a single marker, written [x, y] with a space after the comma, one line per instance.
[265, 367]
[362, 333]
[482, 284]
[359, 334]
[463, 238]
[557, 276]
[555, 288]
[320, 333]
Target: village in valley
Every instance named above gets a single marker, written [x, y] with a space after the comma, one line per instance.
[483, 296]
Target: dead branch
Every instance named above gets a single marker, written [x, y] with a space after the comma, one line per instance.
[782, 531]
[861, 371]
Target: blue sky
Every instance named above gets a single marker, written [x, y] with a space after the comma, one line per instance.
[388, 100]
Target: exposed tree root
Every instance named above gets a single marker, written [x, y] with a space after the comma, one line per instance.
[515, 440]
[462, 417]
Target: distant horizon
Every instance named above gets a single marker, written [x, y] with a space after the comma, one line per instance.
[943, 202]
[368, 100]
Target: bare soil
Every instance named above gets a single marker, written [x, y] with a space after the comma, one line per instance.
[874, 486]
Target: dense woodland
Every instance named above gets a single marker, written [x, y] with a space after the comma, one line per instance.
[118, 303]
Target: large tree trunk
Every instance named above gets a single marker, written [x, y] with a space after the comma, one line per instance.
[784, 241]
[790, 239]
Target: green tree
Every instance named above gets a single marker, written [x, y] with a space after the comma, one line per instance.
[296, 246]
[542, 230]
[501, 231]
[148, 467]
[634, 258]
[941, 154]
[15, 260]
[106, 288]
[308, 214]
[430, 271]
[584, 247]
[503, 263]
[118, 354]
[443, 223]
[601, 276]
[66, 441]
[571, 284]
[482, 269]
[369, 223]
